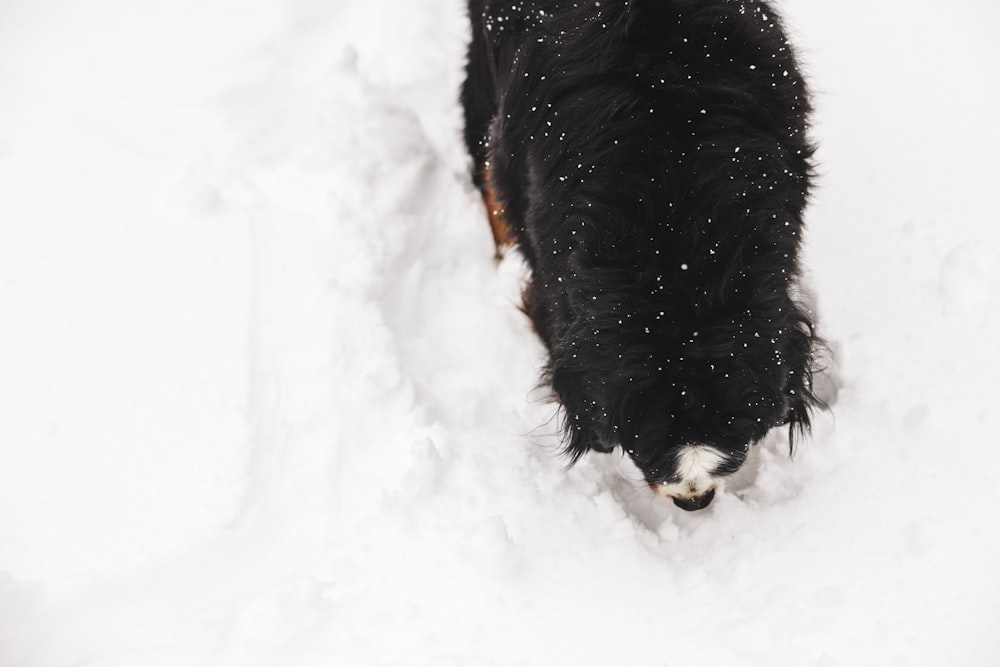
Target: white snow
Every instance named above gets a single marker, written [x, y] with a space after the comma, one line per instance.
[265, 399]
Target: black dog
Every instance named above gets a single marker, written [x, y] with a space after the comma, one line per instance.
[649, 158]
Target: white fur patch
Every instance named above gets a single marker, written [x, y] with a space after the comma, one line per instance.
[695, 464]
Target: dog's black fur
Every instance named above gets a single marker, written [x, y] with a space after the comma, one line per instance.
[652, 161]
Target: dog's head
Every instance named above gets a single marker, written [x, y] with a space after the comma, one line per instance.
[687, 408]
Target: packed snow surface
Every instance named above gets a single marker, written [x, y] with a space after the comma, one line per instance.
[266, 400]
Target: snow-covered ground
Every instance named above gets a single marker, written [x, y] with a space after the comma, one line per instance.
[265, 399]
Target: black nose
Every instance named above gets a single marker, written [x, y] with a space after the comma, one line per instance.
[696, 503]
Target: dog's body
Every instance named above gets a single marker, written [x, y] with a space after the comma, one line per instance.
[649, 158]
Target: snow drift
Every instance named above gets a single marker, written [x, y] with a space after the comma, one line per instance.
[266, 399]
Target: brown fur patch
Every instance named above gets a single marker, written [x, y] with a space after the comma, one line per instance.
[502, 236]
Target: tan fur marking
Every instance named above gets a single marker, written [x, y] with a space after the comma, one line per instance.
[502, 236]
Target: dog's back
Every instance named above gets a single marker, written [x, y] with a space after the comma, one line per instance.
[650, 160]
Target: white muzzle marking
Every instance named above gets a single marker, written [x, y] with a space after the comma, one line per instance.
[695, 465]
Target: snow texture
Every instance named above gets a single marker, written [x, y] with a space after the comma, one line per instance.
[266, 400]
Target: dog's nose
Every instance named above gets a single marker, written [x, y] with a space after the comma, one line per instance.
[696, 503]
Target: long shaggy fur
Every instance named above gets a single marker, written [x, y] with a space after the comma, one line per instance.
[651, 161]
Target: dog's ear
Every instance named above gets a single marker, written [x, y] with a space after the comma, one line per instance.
[800, 402]
[580, 413]
[799, 391]
[610, 408]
